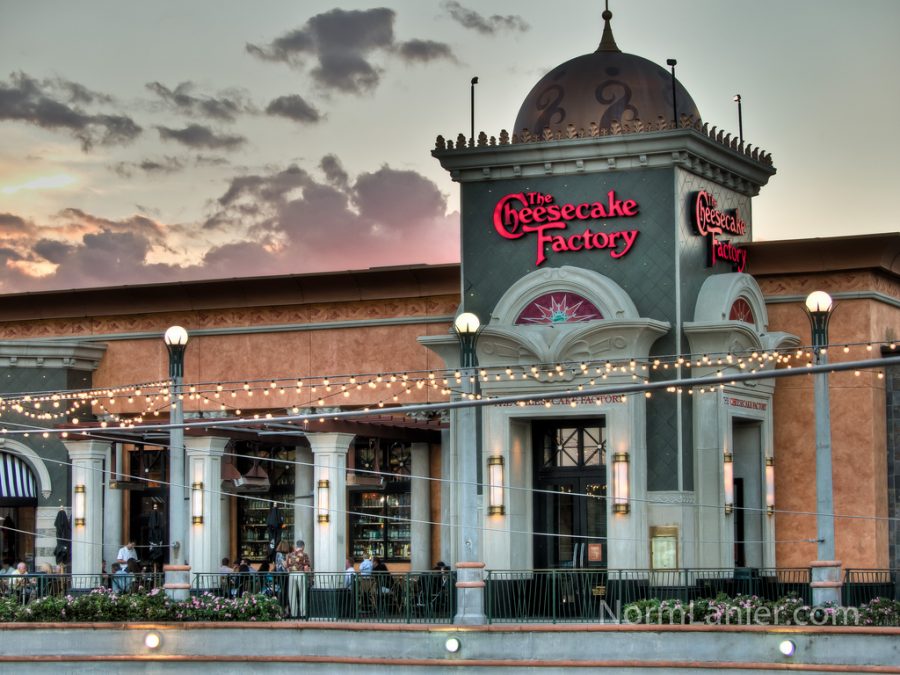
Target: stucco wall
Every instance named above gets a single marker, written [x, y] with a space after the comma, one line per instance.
[858, 421]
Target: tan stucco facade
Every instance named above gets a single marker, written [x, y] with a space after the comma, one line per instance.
[861, 274]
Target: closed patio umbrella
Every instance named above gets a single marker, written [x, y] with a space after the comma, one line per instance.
[63, 537]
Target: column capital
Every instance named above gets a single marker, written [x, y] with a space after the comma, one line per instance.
[330, 442]
[205, 445]
[87, 449]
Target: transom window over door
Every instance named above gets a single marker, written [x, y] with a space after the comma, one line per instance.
[574, 447]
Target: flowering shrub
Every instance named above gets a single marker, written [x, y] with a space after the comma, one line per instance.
[102, 604]
[750, 610]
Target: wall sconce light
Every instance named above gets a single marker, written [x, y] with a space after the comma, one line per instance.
[197, 503]
[728, 474]
[323, 501]
[495, 479]
[770, 485]
[152, 640]
[620, 483]
[78, 506]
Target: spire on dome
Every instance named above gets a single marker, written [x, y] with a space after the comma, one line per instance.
[607, 41]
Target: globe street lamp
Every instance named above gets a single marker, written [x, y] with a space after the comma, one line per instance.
[826, 571]
[176, 339]
[470, 584]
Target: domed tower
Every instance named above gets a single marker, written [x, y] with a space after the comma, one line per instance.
[604, 87]
[602, 245]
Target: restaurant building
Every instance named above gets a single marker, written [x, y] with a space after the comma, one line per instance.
[607, 241]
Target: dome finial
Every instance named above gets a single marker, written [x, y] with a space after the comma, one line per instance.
[607, 41]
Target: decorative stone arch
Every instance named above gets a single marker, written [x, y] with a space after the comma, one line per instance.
[612, 301]
[714, 331]
[33, 460]
[719, 294]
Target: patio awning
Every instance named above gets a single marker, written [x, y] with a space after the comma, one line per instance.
[16, 479]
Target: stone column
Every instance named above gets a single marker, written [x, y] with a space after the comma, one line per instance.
[304, 489]
[420, 513]
[204, 455]
[87, 540]
[112, 511]
[330, 460]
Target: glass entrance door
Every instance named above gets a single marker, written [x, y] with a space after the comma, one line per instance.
[570, 495]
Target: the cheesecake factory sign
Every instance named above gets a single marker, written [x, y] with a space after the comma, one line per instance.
[711, 223]
[565, 227]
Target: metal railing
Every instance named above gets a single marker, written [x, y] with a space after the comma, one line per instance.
[28, 587]
[511, 596]
[592, 595]
[412, 597]
[861, 586]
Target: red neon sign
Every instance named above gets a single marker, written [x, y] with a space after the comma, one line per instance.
[709, 222]
[521, 213]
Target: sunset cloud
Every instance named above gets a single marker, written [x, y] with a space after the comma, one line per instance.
[56, 104]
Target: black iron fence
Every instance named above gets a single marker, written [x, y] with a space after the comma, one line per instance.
[600, 595]
[28, 587]
[511, 596]
[413, 597]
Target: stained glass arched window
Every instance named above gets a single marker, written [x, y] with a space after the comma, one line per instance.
[558, 307]
[741, 311]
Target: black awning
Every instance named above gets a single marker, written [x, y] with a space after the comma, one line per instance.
[16, 479]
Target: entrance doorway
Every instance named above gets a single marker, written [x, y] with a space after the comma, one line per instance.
[570, 494]
[749, 498]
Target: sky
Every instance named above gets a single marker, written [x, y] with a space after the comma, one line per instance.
[170, 140]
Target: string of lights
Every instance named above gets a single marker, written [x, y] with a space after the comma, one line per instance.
[315, 389]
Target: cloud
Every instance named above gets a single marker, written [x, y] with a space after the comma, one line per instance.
[286, 221]
[295, 108]
[469, 18]
[165, 165]
[425, 50]
[223, 108]
[55, 104]
[386, 217]
[334, 171]
[340, 45]
[199, 136]
[13, 227]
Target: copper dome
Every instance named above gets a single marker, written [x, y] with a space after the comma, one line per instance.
[601, 87]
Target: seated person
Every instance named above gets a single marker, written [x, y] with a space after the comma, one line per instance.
[120, 579]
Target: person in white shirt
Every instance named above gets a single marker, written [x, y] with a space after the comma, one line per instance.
[126, 553]
[349, 573]
[365, 567]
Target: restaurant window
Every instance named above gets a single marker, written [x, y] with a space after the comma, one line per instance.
[379, 500]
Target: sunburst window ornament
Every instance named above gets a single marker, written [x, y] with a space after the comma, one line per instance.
[552, 308]
[741, 311]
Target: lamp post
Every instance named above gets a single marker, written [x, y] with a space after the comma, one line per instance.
[176, 339]
[469, 584]
[672, 63]
[737, 99]
[472, 128]
[826, 571]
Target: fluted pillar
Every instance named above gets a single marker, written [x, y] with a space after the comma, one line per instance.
[330, 460]
[420, 511]
[304, 489]
[87, 472]
[204, 455]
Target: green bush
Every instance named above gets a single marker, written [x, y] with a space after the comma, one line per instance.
[102, 605]
[747, 610]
